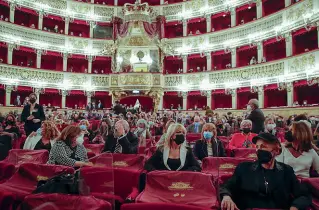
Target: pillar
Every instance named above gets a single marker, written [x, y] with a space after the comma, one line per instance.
[90, 59]
[233, 57]
[162, 2]
[92, 1]
[37, 92]
[12, 11]
[184, 95]
[209, 61]
[233, 93]
[160, 105]
[184, 63]
[261, 95]
[184, 27]
[115, 2]
[92, 25]
[260, 49]
[290, 94]
[40, 24]
[233, 17]
[66, 25]
[9, 89]
[89, 95]
[318, 33]
[209, 98]
[10, 53]
[288, 44]
[39, 54]
[208, 23]
[287, 3]
[259, 9]
[64, 93]
[65, 61]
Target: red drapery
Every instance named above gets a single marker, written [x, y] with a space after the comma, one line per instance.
[274, 50]
[3, 54]
[173, 29]
[52, 61]
[24, 57]
[244, 55]
[76, 97]
[195, 61]
[221, 100]
[274, 97]
[243, 96]
[151, 29]
[122, 2]
[102, 64]
[152, 2]
[146, 102]
[246, 13]
[105, 98]
[172, 64]
[4, 10]
[172, 99]
[77, 63]
[120, 28]
[196, 100]
[51, 21]
[2, 96]
[26, 17]
[221, 21]
[196, 24]
[51, 96]
[303, 40]
[78, 28]
[272, 6]
[308, 93]
[220, 59]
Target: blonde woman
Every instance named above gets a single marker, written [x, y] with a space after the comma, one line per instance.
[86, 132]
[44, 138]
[174, 155]
[162, 139]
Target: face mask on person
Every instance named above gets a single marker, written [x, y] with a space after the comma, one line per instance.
[246, 130]
[39, 131]
[271, 127]
[10, 122]
[220, 126]
[32, 100]
[264, 156]
[197, 123]
[248, 107]
[140, 129]
[83, 127]
[208, 135]
[289, 137]
[179, 139]
[80, 140]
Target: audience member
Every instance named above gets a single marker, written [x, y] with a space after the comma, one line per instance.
[270, 126]
[162, 139]
[11, 127]
[243, 139]
[17, 101]
[87, 133]
[142, 132]
[256, 116]
[221, 129]
[196, 127]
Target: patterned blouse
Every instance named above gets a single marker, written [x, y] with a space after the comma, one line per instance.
[61, 153]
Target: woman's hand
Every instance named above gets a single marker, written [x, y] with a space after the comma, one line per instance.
[36, 120]
[31, 117]
[228, 204]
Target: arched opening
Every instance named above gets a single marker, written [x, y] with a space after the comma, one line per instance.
[145, 101]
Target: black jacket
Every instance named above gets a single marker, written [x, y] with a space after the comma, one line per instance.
[257, 117]
[129, 143]
[247, 187]
[156, 162]
[200, 149]
[38, 114]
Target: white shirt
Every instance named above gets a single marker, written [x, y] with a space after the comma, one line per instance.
[301, 164]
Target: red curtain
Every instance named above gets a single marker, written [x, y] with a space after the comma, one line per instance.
[52, 61]
[308, 93]
[272, 6]
[244, 55]
[220, 59]
[151, 2]
[221, 21]
[52, 97]
[195, 61]
[173, 29]
[221, 101]
[105, 98]
[274, 50]
[172, 99]
[76, 97]
[4, 10]
[196, 24]
[51, 21]
[303, 40]
[104, 2]
[122, 2]
[3, 54]
[77, 63]
[102, 63]
[172, 64]
[79, 28]
[150, 28]
[196, 100]
[244, 96]
[274, 97]
[24, 57]
[26, 18]
[2, 96]
[146, 102]
[246, 14]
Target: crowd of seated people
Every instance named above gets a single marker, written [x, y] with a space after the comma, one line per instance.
[285, 148]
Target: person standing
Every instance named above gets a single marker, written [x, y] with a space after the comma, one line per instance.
[17, 101]
[32, 115]
[256, 116]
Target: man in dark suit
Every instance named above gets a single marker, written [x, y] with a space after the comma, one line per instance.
[256, 116]
[118, 109]
[32, 121]
[122, 140]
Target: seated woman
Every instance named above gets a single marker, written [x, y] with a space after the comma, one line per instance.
[105, 130]
[298, 152]
[44, 138]
[270, 126]
[221, 129]
[67, 151]
[209, 145]
[174, 155]
[11, 127]
[142, 132]
[162, 139]
[86, 132]
[243, 139]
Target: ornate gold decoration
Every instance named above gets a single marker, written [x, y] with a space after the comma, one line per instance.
[297, 12]
[253, 155]
[78, 79]
[302, 63]
[227, 166]
[100, 81]
[114, 80]
[120, 163]
[42, 178]
[135, 79]
[180, 186]
[157, 79]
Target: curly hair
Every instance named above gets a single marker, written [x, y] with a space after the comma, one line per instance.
[50, 130]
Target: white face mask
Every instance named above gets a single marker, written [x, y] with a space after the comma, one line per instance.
[271, 126]
[80, 139]
[248, 107]
[140, 129]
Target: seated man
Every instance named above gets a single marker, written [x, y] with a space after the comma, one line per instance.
[122, 140]
[266, 183]
[196, 127]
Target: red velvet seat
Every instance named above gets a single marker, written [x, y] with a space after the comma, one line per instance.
[313, 185]
[159, 206]
[19, 156]
[192, 137]
[6, 171]
[25, 180]
[245, 153]
[95, 148]
[64, 202]
[179, 187]
[128, 161]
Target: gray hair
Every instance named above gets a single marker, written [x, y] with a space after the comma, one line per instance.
[244, 122]
[142, 121]
[125, 125]
[254, 102]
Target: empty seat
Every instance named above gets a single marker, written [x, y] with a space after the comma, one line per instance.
[159, 206]
[179, 187]
[19, 156]
[63, 202]
[128, 161]
[25, 180]
[313, 185]
[192, 137]
[245, 153]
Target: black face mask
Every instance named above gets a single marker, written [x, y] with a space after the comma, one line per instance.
[289, 137]
[220, 126]
[264, 156]
[32, 100]
[179, 139]
[246, 130]
[10, 122]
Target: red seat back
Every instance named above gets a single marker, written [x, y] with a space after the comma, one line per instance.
[160, 206]
[245, 153]
[179, 187]
[6, 171]
[64, 202]
[313, 184]
[191, 137]
[19, 156]
[128, 161]
[95, 148]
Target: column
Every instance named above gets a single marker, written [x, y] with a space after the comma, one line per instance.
[184, 27]
[160, 105]
[64, 93]
[39, 54]
[318, 32]
[233, 17]
[92, 25]
[115, 2]
[290, 93]
[184, 63]
[10, 53]
[261, 96]
[66, 25]
[162, 2]
[40, 24]
[209, 61]
[260, 49]
[287, 3]
[89, 95]
[184, 95]
[38, 91]
[259, 9]
[65, 61]
[233, 57]
[288, 38]
[92, 1]
[90, 60]
[233, 93]
[208, 23]
[9, 89]
[209, 98]
[12, 11]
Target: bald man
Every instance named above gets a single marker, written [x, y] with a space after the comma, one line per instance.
[256, 116]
